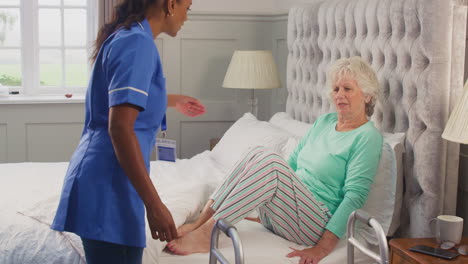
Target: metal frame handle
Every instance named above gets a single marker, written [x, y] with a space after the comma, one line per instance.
[230, 231]
[352, 242]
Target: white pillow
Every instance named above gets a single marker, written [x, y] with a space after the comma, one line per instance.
[245, 134]
[386, 194]
[397, 143]
[286, 122]
[289, 147]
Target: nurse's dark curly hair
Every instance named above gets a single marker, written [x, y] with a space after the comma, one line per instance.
[125, 14]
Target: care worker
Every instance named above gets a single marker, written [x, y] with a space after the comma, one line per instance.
[107, 186]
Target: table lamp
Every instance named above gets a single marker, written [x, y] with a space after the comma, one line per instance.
[252, 70]
[456, 129]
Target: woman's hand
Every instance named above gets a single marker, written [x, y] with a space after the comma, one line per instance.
[161, 223]
[189, 106]
[309, 255]
[314, 254]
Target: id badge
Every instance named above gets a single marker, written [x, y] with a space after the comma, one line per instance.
[166, 149]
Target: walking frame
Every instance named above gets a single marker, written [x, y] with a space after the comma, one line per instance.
[231, 231]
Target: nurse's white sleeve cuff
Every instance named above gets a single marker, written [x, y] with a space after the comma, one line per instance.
[128, 88]
[129, 95]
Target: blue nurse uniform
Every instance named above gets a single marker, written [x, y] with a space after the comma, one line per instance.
[98, 200]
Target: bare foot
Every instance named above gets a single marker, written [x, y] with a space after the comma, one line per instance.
[197, 241]
[185, 229]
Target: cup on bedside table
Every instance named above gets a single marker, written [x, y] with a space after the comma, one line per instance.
[447, 229]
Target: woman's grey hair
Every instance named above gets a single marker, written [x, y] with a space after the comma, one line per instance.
[359, 70]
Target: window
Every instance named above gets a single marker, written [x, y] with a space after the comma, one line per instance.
[45, 45]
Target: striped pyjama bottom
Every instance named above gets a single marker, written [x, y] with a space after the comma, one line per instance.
[264, 181]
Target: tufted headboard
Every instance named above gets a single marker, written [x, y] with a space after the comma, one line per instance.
[417, 49]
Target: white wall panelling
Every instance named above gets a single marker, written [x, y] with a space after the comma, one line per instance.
[194, 64]
[284, 5]
[280, 51]
[3, 142]
[191, 142]
[40, 132]
[245, 5]
[58, 140]
[229, 5]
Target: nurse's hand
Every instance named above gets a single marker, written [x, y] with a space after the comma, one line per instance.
[161, 223]
[189, 106]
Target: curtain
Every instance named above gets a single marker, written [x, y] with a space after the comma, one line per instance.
[106, 10]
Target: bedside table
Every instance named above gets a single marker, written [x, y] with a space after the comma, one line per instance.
[400, 253]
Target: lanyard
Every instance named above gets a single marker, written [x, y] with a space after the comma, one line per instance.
[166, 148]
[163, 126]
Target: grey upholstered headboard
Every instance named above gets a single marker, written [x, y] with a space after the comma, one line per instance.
[417, 48]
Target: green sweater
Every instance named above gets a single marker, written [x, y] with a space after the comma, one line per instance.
[338, 167]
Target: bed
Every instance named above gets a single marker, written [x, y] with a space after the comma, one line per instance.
[29, 199]
[415, 46]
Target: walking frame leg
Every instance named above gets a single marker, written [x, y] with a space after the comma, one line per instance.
[231, 231]
[353, 242]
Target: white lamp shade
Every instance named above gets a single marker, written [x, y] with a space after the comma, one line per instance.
[457, 126]
[252, 70]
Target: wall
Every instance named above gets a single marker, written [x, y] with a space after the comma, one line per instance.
[245, 5]
[233, 6]
[284, 5]
[197, 61]
[39, 131]
[462, 204]
[194, 64]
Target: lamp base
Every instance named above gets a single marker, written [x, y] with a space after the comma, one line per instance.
[253, 103]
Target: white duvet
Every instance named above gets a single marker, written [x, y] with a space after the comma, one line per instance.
[29, 195]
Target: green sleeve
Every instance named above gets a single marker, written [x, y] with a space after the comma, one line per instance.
[360, 172]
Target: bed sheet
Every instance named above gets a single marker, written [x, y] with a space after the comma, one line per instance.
[33, 190]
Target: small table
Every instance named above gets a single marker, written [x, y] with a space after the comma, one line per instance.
[400, 253]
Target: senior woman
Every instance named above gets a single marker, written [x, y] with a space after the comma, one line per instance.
[309, 198]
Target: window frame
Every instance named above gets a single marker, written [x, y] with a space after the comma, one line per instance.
[18, 47]
[29, 46]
